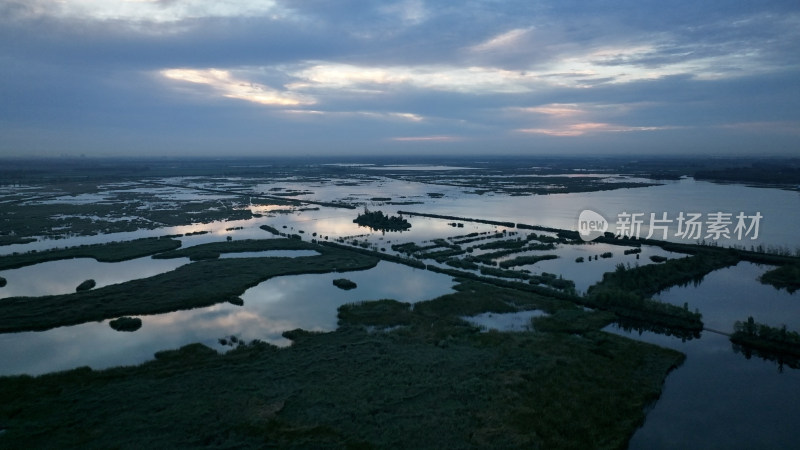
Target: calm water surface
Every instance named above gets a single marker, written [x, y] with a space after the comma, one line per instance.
[62, 277]
[270, 308]
[718, 398]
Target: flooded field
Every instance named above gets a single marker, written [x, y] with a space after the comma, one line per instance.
[707, 399]
[270, 308]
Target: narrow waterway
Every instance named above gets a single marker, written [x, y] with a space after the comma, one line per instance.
[719, 398]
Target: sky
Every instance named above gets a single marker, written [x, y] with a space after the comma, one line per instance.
[228, 78]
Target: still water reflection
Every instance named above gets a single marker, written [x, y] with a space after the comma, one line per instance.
[717, 398]
[516, 321]
[274, 306]
[727, 295]
[62, 277]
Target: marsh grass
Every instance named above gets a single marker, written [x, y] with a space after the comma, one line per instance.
[270, 229]
[784, 277]
[432, 382]
[379, 221]
[194, 285]
[109, 252]
[526, 260]
[212, 250]
[751, 335]
[86, 285]
[650, 279]
[129, 324]
[140, 210]
[344, 283]
[627, 291]
[12, 239]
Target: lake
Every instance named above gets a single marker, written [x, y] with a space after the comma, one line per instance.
[279, 304]
[717, 399]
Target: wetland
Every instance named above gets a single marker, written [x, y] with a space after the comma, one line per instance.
[245, 305]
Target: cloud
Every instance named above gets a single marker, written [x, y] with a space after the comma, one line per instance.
[508, 40]
[474, 80]
[157, 11]
[355, 75]
[389, 116]
[555, 110]
[579, 129]
[567, 120]
[222, 83]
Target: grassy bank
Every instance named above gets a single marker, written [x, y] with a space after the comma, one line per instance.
[525, 260]
[627, 291]
[110, 252]
[784, 277]
[213, 250]
[650, 279]
[10, 240]
[198, 284]
[433, 382]
[462, 219]
[770, 343]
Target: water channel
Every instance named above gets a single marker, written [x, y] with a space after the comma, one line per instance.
[717, 399]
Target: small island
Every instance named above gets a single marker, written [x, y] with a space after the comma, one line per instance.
[86, 285]
[126, 324]
[344, 283]
[763, 337]
[2, 282]
[784, 277]
[377, 220]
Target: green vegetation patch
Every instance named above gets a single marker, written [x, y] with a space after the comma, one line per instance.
[435, 382]
[272, 230]
[377, 220]
[651, 279]
[344, 283]
[463, 219]
[118, 212]
[502, 273]
[784, 277]
[412, 247]
[504, 243]
[194, 285]
[626, 291]
[212, 250]
[771, 343]
[126, 324]
[525, 260]
[462, 264]
[110, 252]
[86, 285]
[12, 239]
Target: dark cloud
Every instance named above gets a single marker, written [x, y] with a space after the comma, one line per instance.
[614, 75]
